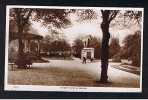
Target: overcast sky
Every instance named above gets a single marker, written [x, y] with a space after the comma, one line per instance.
[86, 28]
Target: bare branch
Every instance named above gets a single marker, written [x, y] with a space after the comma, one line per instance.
[113, 14]
[136, 15]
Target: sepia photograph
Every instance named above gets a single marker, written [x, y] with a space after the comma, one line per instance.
[73, 49]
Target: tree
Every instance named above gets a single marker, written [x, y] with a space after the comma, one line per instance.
[60, 48]
[95, 43]
[45, 43]
[21, 18]
[78, 46]
[60, 45]
[114, 47]
[107, 17]
[56, 18]
[132, 48]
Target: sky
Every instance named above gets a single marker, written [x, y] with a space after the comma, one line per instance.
[87, 27]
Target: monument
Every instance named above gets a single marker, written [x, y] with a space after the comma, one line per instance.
[87, 52]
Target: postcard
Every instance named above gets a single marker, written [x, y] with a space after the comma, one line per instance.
[73, 49]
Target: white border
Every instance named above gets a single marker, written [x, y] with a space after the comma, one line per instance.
[67, 88]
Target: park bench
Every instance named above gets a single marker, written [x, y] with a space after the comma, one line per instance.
[12, 65]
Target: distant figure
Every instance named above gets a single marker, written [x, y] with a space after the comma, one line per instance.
[84, 60]
[91, 59]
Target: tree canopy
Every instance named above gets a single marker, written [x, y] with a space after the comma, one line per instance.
[114, 47]
[132, 48]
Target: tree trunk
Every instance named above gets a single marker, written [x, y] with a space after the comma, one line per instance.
[104, 51]
[20, 59]
[20, 50]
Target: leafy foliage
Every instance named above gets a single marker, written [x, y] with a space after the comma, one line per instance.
[21, 17]
[77, 47]
[132, 48]
[55, 47]
[114, 47]
[56, 17]
[95, 43]
[86, 14]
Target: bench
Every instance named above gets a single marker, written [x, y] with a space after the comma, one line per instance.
[12, 65]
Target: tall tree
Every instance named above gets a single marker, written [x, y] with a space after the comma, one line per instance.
[132, 48]
[107, 17]
[114, 47]
[21, 18]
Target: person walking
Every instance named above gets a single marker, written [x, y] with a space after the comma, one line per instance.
[84, 60]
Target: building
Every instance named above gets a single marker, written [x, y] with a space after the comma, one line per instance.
[87, 52]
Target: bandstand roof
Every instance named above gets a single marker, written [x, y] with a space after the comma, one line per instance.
[26, 36]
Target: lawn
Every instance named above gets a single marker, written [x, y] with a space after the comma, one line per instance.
[50, 76]
[54, 76]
